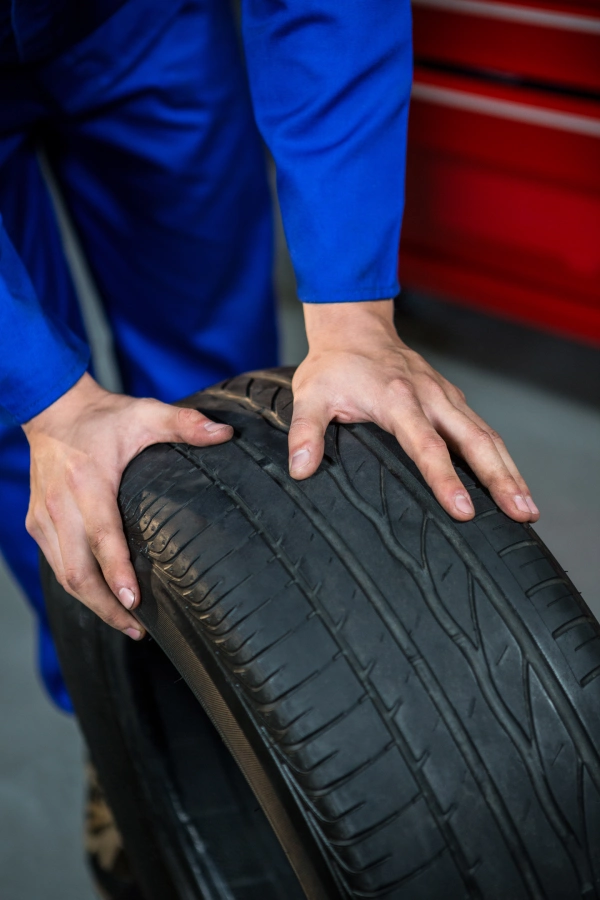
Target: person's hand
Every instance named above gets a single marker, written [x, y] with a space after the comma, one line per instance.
[80, 446]
[358, 370]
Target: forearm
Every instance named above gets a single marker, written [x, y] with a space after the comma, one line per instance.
[330, 85]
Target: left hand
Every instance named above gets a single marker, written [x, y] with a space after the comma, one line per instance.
[359, 370]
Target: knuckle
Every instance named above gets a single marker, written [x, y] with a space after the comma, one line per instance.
[497, 439]
[452, 390]
[301, 423]
[98, 539]
[76, 578]
[502, 482]
[480, 438]
[402, 388]
[187, 417]
[143, 406]
[432, 444]
[435, 390]
[32, 524]
[449, 482]
[113, 617]
[52, 504]
[143, 414]
[75, 476]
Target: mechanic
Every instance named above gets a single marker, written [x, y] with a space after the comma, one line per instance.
[148, 119]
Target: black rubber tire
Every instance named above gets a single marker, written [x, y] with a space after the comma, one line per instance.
[415, 702]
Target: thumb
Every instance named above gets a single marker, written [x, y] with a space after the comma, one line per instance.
[189, 426]
[306, 439]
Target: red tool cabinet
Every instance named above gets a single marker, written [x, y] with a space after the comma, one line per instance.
[503, 173]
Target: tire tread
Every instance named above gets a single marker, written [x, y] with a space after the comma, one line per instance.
[418, 602]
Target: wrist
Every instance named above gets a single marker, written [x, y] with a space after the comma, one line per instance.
[348, 324]
[81, 395]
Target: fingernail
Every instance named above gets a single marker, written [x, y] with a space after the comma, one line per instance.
[532, 507]
[127, 597]
[299, 460]
[463, 504]
[134, 633]
[215, 426]
[521, 503]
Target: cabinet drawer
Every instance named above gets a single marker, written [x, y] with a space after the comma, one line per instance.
[558, 44]
[503, 200]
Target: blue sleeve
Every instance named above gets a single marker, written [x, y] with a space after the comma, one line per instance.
[330, 83]
[40, 359]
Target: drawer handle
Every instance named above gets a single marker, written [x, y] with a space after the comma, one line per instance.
[525, 15]
[506, 109]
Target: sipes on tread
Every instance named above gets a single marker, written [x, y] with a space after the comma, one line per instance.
[426, 689]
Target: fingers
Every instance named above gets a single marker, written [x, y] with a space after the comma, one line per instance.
[426, 428]
[44, 535]
[428, 450]
[306, 438]
[472, 439]
[59, 531]
[106, 539]
[80, 573]
[522, 499]
[183, 425]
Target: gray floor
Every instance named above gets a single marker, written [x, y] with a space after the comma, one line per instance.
[40, 773]
[541, 393]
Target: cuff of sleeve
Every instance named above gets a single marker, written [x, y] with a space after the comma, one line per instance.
[388, 292]
[39, 402]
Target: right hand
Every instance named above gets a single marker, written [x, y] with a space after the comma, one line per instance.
[359, 370]
[80, 446]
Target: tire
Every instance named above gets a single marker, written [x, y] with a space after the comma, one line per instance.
[413, 701]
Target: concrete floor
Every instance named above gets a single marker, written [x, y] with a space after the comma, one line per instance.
[541, 393]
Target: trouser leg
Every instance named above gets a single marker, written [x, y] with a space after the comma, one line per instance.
[166, 183]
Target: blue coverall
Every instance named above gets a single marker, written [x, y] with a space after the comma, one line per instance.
[144, 113]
